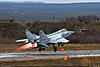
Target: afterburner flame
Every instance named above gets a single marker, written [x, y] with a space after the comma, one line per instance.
[27, 46]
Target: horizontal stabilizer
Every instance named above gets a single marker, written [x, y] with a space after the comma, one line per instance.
[22, 40]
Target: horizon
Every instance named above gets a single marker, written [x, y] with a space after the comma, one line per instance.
[43, 2]
[50, 1]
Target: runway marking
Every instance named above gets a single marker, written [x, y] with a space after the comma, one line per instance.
[48, 54]
[84, 55]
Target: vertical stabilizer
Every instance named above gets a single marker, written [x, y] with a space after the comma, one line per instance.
[43, 38]
[30, 36]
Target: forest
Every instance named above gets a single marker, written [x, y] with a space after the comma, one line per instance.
[86, 27]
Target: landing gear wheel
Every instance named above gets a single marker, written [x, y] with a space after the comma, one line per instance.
[62, 44]
[55, 48]
[40, 49]
[58, 44]
[43, 49]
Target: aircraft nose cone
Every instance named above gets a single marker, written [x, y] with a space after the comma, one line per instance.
[72, 32]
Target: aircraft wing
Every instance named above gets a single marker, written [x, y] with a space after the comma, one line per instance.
[22, 40]
[58, 40]
[62, 40]
[68, 33]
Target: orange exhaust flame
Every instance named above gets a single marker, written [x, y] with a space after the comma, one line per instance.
[27, 46]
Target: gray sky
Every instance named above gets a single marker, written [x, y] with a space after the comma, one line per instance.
[55, 1]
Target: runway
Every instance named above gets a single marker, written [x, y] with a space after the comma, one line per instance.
[32, 55]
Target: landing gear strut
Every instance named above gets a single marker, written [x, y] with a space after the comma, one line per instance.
[55, 48]
[40, 49]
[58, 44]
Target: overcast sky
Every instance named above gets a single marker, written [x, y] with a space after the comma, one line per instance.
[55, 1]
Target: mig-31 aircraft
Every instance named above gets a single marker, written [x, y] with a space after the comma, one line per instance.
[43, 41]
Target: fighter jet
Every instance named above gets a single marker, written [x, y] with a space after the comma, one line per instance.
[43, 41]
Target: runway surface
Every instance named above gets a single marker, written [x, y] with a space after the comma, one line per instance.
[27, 55]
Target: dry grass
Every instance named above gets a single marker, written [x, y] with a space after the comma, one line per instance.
[12, 47]
[77, 47]
[8, 48]
[76, 62]
[81, 46]
[72, 62]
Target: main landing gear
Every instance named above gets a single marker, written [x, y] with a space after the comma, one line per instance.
[62, 44]
[54, 48]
